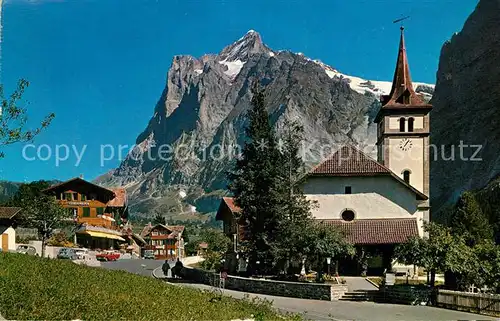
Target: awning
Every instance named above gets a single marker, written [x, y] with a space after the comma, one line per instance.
[104, 235]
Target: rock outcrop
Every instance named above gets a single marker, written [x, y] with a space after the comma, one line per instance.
[466, 108]
[199, 120]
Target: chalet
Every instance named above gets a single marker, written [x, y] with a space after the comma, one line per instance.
[165, 241]
[7, 228]
[202, 247]
[97, 212]
[376, 203]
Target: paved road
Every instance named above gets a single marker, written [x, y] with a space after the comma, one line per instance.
[323, 310]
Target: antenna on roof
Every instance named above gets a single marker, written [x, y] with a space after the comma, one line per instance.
[402, 21]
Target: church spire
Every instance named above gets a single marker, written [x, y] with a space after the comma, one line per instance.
[402, 92]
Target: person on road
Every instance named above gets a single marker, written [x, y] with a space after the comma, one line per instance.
[165, 267]
[178, 267]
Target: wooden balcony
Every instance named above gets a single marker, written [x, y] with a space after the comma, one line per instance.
[97, 221]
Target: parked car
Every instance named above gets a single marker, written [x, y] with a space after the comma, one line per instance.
[26, 249]
[148, 255]
[108, 256]
[81, 253]
[67, 253]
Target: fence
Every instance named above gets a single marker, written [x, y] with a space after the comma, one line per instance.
[475, 302]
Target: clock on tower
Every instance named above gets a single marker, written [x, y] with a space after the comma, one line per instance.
[403, 127]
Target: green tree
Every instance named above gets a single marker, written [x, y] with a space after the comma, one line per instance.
[441, 251]
[322, 241]
[218, 244]
[255, 184]
[295, 207]
[487, 272]
[468, 219]
[44, 214]
[159, 219]
[24, 194]
[13, 118]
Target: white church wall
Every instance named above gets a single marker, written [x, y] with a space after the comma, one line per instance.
[375, 197]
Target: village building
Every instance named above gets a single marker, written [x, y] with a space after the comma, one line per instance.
[166, 242]
[7, 228]
[98, 212]
[376, 203]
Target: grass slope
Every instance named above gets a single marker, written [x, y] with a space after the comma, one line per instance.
[44, 289]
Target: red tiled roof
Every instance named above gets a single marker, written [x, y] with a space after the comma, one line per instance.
[376, 231]
[349, 161]
[120, 198]
[203, 245]
[9, 212]
[230, 203]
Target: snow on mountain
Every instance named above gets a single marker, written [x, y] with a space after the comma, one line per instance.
[362, 86]
[233, 67]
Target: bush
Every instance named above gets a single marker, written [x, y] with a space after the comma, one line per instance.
[35, 288]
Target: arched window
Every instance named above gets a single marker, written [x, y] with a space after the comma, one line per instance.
[348, 215]
[402, 121]
[411, 120]
[406, 176]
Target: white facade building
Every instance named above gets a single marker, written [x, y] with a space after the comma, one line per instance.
[7, 231]
[380, 203]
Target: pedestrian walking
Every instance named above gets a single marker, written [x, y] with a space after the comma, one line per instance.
[165, 267]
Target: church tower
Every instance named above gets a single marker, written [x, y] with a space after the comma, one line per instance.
[403, 128]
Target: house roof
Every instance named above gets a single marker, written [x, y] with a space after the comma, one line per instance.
[231, 204]
[78, 180]
[120, 199]
[227, 202]
[203, 245]
[175, 230]
[9, 212]
[117, 196]
[350, 161]
[376, 231]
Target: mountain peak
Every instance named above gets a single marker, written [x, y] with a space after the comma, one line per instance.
[243, 48]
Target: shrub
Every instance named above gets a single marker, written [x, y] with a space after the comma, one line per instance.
[35, 288]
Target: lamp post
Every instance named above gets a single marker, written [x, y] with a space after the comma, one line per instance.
[328, 261]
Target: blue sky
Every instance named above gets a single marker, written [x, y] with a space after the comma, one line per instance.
[100, 65]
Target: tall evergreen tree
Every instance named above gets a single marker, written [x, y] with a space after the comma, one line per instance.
[469, 220]
[255, 185]
[295, 206]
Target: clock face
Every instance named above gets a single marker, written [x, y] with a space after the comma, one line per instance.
[405, 144]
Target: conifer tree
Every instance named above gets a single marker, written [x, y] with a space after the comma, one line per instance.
[469, 220]
[255, 185]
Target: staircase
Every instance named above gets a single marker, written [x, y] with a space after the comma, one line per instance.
[360, 295]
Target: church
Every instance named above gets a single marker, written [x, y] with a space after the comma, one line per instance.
[376, 203]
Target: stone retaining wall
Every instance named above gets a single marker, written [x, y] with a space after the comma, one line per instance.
[329, 292]
[404, 295]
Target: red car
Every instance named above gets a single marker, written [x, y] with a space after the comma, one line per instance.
[107, 256]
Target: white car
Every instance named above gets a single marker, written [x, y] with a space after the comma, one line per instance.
[81, 253]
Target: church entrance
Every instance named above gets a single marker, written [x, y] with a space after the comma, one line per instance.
[372, 260]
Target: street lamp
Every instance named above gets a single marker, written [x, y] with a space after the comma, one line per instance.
[328, 261]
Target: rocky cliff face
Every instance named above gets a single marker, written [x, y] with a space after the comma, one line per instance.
[466, 107]
[189, 144]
